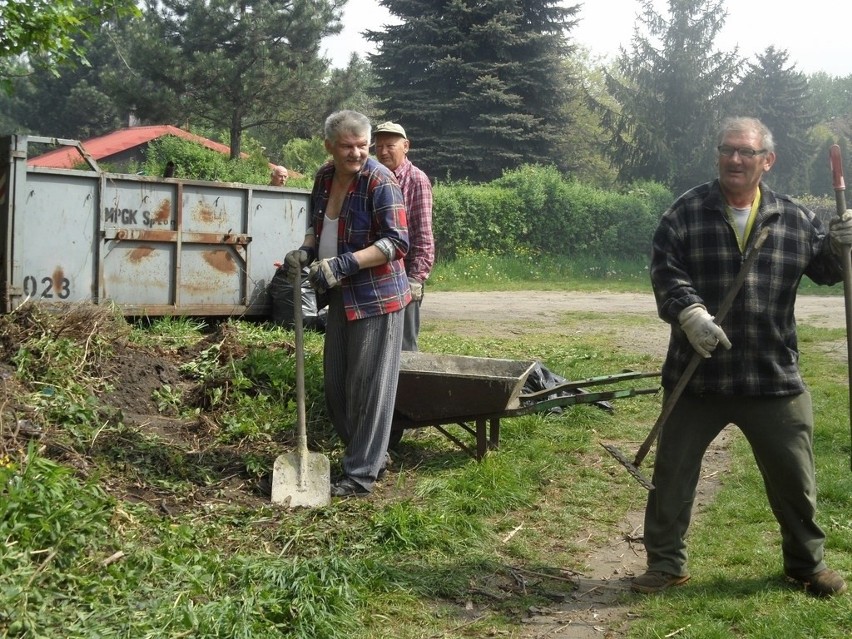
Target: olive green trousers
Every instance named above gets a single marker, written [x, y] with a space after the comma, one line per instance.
[780, 432]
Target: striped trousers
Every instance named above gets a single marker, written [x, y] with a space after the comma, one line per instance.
[361, 363]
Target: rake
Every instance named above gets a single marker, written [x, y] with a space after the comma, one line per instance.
[677, 391]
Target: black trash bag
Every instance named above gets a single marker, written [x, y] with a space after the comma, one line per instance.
[281, 296]
[540, 378]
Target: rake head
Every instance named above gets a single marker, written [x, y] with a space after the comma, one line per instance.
[630, 466]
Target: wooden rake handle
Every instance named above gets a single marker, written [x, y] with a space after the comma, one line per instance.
[846, 259]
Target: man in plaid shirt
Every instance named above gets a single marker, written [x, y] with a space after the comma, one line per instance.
[753, 381]
[358, 237]
[392, 150]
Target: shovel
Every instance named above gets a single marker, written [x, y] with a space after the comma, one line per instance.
[677, 391]
[301, 478]
[840, 197]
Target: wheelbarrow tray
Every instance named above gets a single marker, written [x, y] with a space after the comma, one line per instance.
[436, 387]
[475, 393]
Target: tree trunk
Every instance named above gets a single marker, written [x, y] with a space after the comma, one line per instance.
[236, 135]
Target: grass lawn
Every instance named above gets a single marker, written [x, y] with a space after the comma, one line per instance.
[119, 523]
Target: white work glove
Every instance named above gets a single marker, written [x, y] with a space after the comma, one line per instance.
[840, 232]
[703, 333]
[328, 273]
[416, 289]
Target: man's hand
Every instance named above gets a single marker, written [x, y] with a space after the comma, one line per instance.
[703, 333]
[840, 230]
[329, 272]
[416, 289]
[295, 260]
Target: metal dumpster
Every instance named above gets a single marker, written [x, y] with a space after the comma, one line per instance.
[153, 246]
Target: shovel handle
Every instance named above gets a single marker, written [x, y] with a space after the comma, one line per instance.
[721, 312]
[298, 327]
[846, 258]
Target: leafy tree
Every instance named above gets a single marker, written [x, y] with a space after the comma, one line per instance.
[12, 104]
[478, 84]
[302, 116]
[50, 32]
[823, 136]
[673, 90]
[779, 96]
[74, 102]
[580, 147]
[233, 64]
[831, 97]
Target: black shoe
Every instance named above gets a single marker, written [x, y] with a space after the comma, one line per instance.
[347, 487]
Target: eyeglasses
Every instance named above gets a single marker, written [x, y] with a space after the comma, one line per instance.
[728, 151]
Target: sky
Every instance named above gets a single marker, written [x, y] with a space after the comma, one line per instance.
[812, 32]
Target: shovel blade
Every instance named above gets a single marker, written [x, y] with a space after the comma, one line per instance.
[301, 480]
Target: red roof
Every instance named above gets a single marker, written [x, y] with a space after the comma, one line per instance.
[116, 142]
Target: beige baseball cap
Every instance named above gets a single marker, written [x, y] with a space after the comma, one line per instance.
[390, 127]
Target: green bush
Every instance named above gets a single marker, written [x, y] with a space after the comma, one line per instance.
[471, 217]
[196, 162]
[305, 156]
[535, 210]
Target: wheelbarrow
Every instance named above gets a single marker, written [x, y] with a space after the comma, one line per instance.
[475, 393]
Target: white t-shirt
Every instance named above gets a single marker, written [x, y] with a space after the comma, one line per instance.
[328, 239]
[740, 218]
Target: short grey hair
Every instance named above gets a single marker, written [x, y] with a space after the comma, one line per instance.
[747, 125]
[346, 122]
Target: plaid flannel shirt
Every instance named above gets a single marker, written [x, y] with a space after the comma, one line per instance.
[417, 192]
[696, 259]
[373, 209]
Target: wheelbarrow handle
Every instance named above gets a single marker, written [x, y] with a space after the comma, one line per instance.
[589, 381]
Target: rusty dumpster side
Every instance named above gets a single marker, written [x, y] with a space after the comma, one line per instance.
[153, 246]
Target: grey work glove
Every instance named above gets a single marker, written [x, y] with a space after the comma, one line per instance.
[328, 273]
[416, 289]
[703, 333]
[840, 232]
[296, 259]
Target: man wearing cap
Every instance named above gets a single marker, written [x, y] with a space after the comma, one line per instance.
[392, 150]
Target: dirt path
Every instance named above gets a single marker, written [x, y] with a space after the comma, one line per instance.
[548, 306]
[600, 607]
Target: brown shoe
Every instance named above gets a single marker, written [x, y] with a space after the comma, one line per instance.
[656, 581]
[825, 583]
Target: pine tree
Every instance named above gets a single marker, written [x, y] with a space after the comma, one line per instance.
[778, 95]
[233, 64]
[478, 85]
[673, 90]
